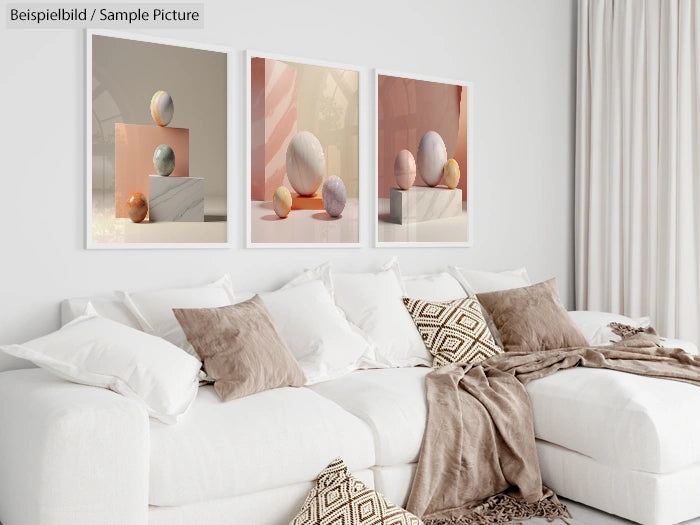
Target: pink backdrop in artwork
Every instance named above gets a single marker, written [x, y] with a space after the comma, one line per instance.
[273, 92]
[407, 109]
[133, 158]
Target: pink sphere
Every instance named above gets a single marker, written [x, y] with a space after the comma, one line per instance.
[405, 169]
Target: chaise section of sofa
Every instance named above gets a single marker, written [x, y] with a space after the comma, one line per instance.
[626, 444]
[70, 454]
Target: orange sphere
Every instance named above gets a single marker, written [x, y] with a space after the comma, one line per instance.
[138, 206]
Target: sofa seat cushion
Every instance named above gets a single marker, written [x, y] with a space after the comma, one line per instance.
[263, 441]
[392, 402]
[619, 419]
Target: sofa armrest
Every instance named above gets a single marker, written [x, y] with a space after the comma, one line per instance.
[688, 346]
[70, 454]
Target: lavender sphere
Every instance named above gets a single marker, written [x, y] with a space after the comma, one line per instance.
[334, 196]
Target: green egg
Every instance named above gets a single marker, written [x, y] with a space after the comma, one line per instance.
[164, 160]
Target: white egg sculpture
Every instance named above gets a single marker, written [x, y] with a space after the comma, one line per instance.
[432, 156]
[306, 163]
[162, 108]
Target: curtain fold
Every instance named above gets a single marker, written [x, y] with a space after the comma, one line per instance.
[637, 209]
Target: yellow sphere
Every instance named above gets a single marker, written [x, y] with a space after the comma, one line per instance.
[282, 202]
[451, 173]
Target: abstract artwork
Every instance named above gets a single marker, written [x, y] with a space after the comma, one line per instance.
[424, 159]
[157, 144]
[303, 165]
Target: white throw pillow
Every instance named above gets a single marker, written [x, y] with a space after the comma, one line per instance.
[110, 307]
[475, 282]
[322, 272]
[316, 331]
[433, 287]
[95, 351]
[154, 309]
[594, 325]
[373, 302]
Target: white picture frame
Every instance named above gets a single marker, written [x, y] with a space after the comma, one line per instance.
[468, 242]
[362, 155]
[90, 242]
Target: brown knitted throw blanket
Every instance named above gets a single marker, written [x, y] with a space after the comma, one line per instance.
[478, 464]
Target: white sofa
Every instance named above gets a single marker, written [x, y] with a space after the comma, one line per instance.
[72, 454]
[76, 455]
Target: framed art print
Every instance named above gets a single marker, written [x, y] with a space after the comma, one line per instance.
[424, 133]
[157, 133]
[303, 153]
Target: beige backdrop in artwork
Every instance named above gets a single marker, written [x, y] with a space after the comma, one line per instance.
[328, 106]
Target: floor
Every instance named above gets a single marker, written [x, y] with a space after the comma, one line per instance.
[106, 229]
[583, 515]
[451, 229]
[304, 226]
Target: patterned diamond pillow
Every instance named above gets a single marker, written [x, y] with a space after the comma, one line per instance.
[453, 331]
[338, 498]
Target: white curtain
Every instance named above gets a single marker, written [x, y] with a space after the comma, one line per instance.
[637, 222]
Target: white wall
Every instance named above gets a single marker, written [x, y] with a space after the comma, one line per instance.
[521, 55]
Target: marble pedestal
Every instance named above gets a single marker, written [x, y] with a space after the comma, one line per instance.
[178, 199]
[420, 203]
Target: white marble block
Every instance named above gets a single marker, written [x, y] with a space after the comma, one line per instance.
[179, 199]
[418, 204]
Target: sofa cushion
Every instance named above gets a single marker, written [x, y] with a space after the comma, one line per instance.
[264, 441]
[266, 507]
[619, 419]
[391, 402]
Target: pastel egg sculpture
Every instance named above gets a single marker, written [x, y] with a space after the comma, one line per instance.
[451, 173]
[432, 156]
[164, 160]
[162, 108]
[306, 163]
[282, 202]
[334, 196]
[405, 169]
[137, 206]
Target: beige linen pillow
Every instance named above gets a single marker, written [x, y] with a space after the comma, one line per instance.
[339, 498]
[453, 331]
[532, 318]
[240, 348]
